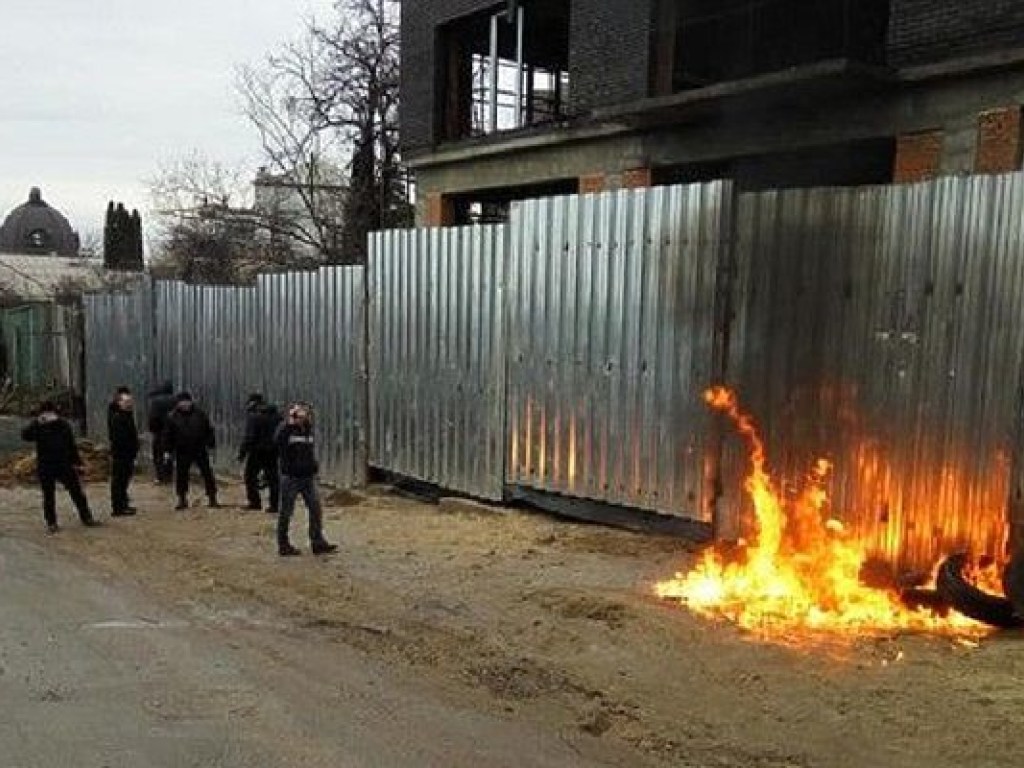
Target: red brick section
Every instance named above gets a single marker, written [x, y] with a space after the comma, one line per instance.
[592, 183]
[918, 156]
[637, 178]
[439, 211]
[999, 141]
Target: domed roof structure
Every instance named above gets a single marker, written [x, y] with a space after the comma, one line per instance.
[36, 228]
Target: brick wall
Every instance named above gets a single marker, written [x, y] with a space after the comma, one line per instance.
[925, 31]
[637, 178]
[592, 183]
[608, 57]
[999, 141]
[439, 211]
[918, 157]
[420, 22]
[610, 48]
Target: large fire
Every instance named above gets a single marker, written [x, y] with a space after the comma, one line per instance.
[802, 569]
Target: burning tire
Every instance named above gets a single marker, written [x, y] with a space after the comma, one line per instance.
[967, 599]
[917, 598]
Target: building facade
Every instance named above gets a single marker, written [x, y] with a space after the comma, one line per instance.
[305, 218]
[523, 98]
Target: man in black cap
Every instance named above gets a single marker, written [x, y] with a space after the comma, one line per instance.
[124, 448]
[57, 461]
[190, 437]
[259, 452]
[159, 407]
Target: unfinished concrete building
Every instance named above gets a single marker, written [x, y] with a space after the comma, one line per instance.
[525, 98]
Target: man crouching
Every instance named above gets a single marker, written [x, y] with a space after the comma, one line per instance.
[294, 440]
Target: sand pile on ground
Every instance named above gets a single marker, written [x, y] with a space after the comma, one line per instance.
[20, 468]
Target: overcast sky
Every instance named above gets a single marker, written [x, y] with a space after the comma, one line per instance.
[95, 95]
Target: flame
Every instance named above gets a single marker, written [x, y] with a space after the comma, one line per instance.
[572, 452]
[803, 570]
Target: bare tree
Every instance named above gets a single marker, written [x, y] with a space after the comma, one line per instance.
[207, 228]
[329, 102]
[91, 243]
[185, 184]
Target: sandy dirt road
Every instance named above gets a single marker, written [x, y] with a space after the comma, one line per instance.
[91, 674]
[447, 637]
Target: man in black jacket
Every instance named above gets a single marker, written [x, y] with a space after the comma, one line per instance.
[189, 436]
[299, 469]
[113, 407]
[259, 452]
[123, 436]
[159, 407]
[57, 461]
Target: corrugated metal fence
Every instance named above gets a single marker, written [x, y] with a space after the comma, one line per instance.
[879, 327]
[437, 356]
[295, 336]
[612, 331]
[882, 328]
[118, 349]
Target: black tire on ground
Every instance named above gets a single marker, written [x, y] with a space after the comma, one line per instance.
[1013, 582]
[972, 602]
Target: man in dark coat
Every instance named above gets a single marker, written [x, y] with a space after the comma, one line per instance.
[189, 436]
[259, 452]
[295, 445]
[112, 406]
[57, 461]
[159, 407]
[123, 436]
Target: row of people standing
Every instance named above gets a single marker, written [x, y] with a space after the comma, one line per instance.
[183, 437]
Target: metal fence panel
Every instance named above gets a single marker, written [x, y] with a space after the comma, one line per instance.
[437, 366]
[292, 336]
[118, 351]
[882, 328]
[612, 337]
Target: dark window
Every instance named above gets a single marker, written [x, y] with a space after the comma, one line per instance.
[494, 206]
[702, 42]
[855, 163]
[37, 239]
[505, 69]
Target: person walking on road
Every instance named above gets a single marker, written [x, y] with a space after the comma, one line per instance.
[123, 434]
[259, 452]
[159, 407]
[189, 437]
[295, 446]
[57, 461]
